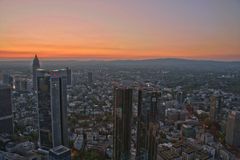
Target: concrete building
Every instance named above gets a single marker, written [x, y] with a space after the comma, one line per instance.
[188, 131]
[215, 107]
[21, 84]
[233, 129]
[90, 77]
[164, 153]
[60, 153]
[161, 110]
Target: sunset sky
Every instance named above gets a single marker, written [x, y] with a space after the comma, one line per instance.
[120, 29]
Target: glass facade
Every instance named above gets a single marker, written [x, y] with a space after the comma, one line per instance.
[6, 117]
[52, 107]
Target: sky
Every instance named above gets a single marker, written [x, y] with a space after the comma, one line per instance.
[123, 29]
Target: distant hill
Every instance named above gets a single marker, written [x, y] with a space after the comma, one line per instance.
[179, 64]
[182, 64]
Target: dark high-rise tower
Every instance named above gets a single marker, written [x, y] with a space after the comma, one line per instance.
[233, 129]
[90, 77]
[52, 108]
[122, 123]
[69, 76]
[215, 107]
[147, 124]
[161, 109]
[6, 117]
[35, 66]
[8, 79]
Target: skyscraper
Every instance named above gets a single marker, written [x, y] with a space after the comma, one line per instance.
[20, 84]
[69, 76]
[122, 123]
[215, 107]
[179, 97]
[233, 129]
[7, 79]
[52, 108]
[6, 117]
[161, 108]
[147, 124]
[90, 77]
[35, 66]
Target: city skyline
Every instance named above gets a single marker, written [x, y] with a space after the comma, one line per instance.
[119, 80]
[120, 112]
[120, 30]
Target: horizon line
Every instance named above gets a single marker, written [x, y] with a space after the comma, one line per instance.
[112, 59]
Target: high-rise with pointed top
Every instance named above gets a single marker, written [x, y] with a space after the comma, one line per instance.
[35, 66]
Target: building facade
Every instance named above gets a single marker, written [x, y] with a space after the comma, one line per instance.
[233, 129]
[52, 108]
[69, 76]
[35, 66]
[147, 126]
[7, 79]
[90, 77]
[122, 123]
[6, 116]
[60, 153]
[215, 107]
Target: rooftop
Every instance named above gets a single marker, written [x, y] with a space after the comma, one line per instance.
[59, 149]
[168, 154]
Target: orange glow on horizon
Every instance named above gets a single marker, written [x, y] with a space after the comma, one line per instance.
[109, 56]
[110, 30]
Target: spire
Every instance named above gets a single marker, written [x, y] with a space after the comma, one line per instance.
[36, 63]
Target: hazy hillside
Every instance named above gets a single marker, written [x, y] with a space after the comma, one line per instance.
[179, 64]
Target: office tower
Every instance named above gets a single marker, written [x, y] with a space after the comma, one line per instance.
[179, 97]
[161, 108]
[122, 123]
[60, 153]
[69, 76]
[17, 85]
[7, 79]
[90, 77]
[215, 107]
[52, 108]
[6, 117]
[35, 66]
[233, 129]
[147, 124]
[21, 84]
[24, 85]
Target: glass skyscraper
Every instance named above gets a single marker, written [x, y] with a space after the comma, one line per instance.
[52, 108]
[35, 66]
[6, 117]
[122, 123]
[147, 127]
